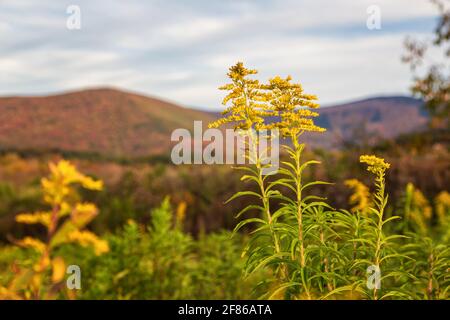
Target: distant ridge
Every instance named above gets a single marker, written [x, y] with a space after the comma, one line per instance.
[118, 124]
[104, 121]
[377, 113]
[372, 118]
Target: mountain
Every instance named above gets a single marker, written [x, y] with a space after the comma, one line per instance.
[118, 124]
[369, 120]
[107, 122]
[389, 116]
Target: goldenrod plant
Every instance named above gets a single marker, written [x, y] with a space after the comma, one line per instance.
[248, 107]
[314, 250]
[282, 105]
[380, 246]
[65, 222]
[292, 109]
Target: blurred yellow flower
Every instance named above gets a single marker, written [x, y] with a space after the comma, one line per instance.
[442, 201]
[86, 238]
[181, 213]
[60, 193]
[62, 175]
[41, 217]
[83, 213]
[29, 242]
[360, 197]
[58, 269]
[421, 202]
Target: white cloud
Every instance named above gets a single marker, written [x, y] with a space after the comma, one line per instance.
[182, 50]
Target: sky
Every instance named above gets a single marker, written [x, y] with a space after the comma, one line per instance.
[181, 50]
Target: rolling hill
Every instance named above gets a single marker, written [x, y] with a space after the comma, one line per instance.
[118, 124]
[107, 122]
[389, 116]
[369, 120]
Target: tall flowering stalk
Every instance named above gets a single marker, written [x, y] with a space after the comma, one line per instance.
[381, 245]
[279, 105]
[246, 111]
[294, 116]
[291, 106]
[378, 167]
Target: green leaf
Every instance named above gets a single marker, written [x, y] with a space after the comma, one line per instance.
[247, 221]
[310, 184]
[244, 193]
[249, 207]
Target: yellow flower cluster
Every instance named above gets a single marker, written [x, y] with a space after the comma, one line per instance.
[181, 213]
[375, 165]
[86, 238]
[58, 269]
[360, 197]
[43, 218]
[29, 242]
[83, 213]
[443, 198]
[443, 206]
[279, 104]
[419, 210]
[421, 202]
[59, 191]
[62, 176]
[287, 102]
[246, 110]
